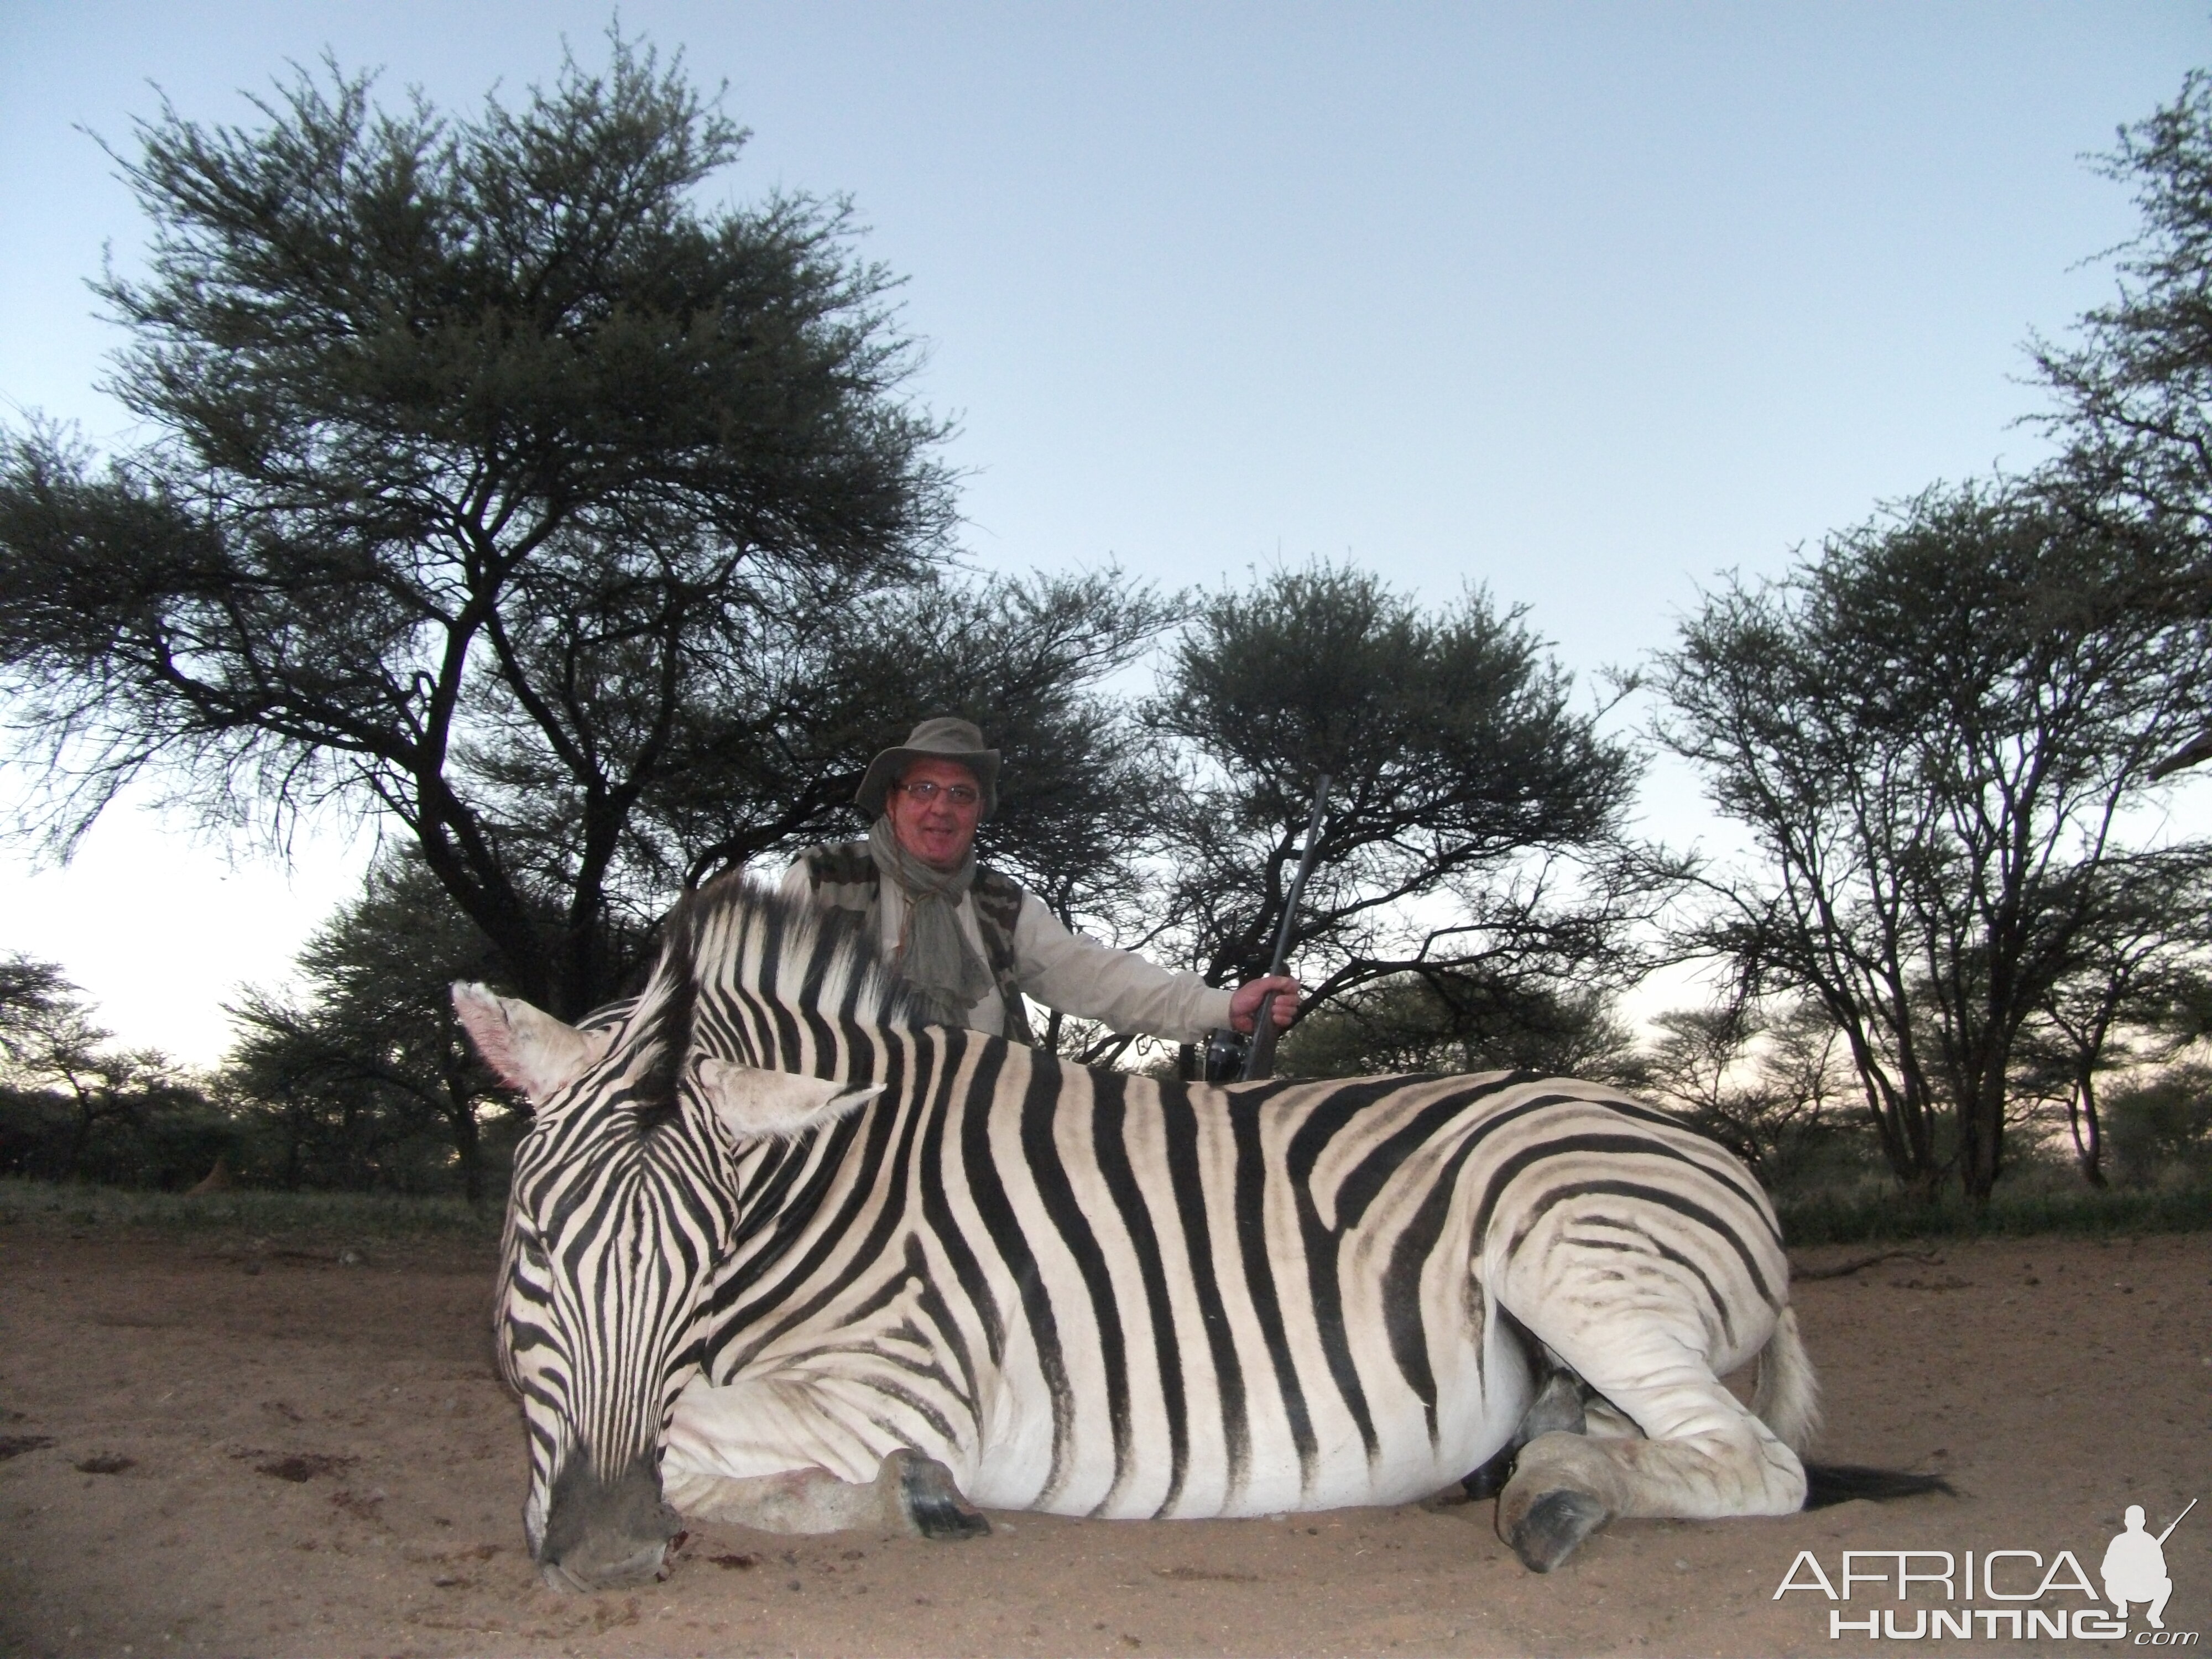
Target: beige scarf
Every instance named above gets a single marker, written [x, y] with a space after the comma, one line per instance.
[934, 956]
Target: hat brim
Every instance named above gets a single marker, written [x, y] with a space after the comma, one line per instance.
[889, 766]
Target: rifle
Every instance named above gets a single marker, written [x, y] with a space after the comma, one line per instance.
[2176, 1522]
[1251, 1060]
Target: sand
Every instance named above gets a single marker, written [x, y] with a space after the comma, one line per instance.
[221, 1450]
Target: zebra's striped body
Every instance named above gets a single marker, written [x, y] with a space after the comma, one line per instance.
[1093, 1293]
[1102, 1295]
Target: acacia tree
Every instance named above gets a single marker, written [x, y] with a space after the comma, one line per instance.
[2135, 379]
[51, 1044]
[2127, 996]
[1407, 1025]
[371, 1056]
[488, 470]
[1024, 660]
[36, 998]
[1761, 1086]
[1476, 838]
[1930, 730]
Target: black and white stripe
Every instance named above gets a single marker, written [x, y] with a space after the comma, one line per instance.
[1101, 1294]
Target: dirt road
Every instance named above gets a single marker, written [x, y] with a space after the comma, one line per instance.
[213, 1450]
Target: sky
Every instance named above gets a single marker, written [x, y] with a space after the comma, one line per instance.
[1583, 304]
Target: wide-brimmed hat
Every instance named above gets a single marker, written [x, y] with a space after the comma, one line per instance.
[942, 738]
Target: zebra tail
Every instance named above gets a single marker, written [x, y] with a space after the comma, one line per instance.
[1788, 1397]
[1839, 1483]
[1788, 1400]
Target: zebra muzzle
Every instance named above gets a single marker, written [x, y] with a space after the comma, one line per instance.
[606, 1533]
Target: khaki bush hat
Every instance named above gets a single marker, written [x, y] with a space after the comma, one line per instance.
[942, 738]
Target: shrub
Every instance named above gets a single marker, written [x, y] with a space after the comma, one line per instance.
[2161, 1126]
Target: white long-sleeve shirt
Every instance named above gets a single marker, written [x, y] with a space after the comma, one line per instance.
[1072, 972]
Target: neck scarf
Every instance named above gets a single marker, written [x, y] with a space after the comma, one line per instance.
[934, 957]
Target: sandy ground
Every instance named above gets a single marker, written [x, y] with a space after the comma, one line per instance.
[241, 1451]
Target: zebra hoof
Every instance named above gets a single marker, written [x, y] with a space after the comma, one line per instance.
[930, 1501]
[1491, 1479]
[1551, 1528]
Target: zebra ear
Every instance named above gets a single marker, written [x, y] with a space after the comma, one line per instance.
[752, 1103]
[529, 1048]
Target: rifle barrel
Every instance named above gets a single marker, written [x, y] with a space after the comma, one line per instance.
[1260, 1059]
[1299, 877]
[2177, 1521]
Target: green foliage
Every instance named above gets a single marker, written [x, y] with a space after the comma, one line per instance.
[495, 486]
[488, 471]
[152, 1132]
[367, 1080]
[1409, 1023]
[1935, 727]
[500, 488]
[35, 1002]
[2135, 381]
[2162, 1127]
[249, 1218]
[1476, 832]
[1930, 729]
[1832, 1219]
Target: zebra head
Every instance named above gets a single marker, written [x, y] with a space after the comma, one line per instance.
[623, 1201]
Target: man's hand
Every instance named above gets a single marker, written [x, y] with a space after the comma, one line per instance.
[1244, 1006]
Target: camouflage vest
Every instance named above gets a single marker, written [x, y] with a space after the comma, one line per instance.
[845, 878]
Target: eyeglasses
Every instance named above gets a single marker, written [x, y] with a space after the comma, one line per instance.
[957, 795]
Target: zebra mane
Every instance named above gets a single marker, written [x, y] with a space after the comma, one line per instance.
[735, 938]
[743, 937]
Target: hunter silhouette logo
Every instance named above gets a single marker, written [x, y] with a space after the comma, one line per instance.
[2134, 1566]
[1999, 1595]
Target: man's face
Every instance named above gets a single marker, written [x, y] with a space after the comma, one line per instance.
[938, 831]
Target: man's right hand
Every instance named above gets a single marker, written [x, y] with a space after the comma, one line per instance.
[1244, 1006]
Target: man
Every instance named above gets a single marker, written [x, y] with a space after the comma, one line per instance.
[2134, 1568]
[968, 941]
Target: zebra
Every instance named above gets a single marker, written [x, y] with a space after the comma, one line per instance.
[777, 1252]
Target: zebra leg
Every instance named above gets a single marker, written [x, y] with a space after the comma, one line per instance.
[793, 1501]
[911, 1493]
[1557, 1409]
[929, 1502]
[1651, 1342]
[780, 1455]
[1713, 1458]
[1703, 1456]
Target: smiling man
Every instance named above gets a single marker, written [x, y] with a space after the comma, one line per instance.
[968, 940]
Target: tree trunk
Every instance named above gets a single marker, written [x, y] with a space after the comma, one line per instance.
[1981, 1138]
[294, 1133]
[1905, 1128]
[80, 1136]
[2088, 1130]
[468, 1145]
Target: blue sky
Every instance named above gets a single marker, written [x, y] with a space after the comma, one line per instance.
[1583, 303]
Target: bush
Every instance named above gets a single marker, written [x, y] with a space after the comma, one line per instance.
[164, 1135]
[353, 1218]
[1857, 1217]
[1408, 1024]
[2161, 1127]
